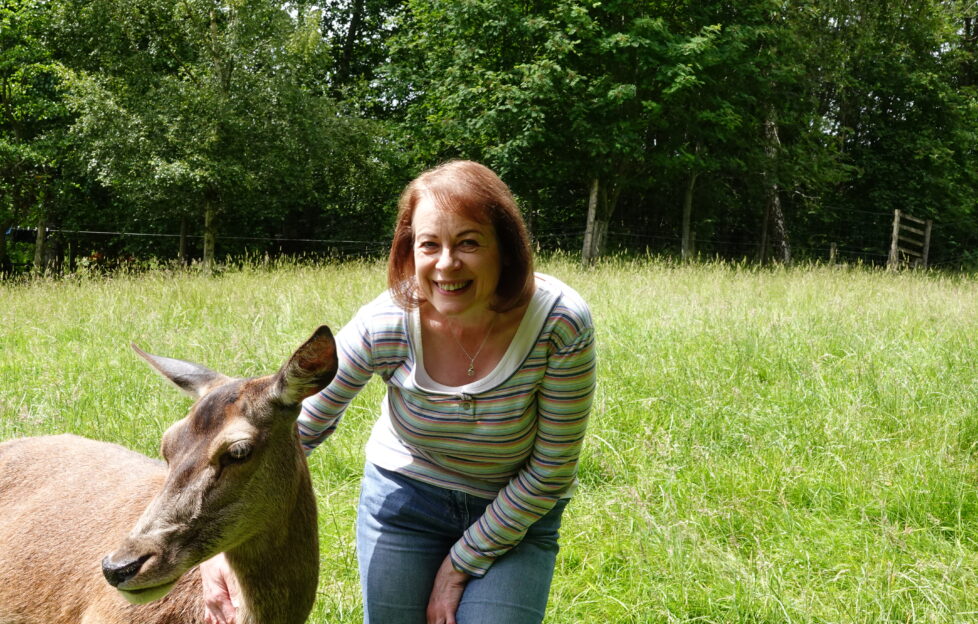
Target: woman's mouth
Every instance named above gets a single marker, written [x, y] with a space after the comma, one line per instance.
[453, 287]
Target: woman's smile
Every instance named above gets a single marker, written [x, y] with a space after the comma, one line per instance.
[453, 287]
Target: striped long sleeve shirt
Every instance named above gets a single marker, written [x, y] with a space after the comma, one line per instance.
[513, 436]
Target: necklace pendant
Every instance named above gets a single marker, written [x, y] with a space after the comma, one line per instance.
[471, 370]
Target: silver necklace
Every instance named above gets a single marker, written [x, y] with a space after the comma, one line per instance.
[471, 370]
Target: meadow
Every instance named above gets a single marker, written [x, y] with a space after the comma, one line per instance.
[767, 445]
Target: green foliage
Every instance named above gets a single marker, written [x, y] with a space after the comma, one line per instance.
[553, 95]
[297, 120]
[32, 115]
[223, 113]
[224, 107]
[904, 121]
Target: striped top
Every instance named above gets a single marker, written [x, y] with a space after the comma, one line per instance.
[513, 436]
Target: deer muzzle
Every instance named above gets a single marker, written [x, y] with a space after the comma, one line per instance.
[122, 572]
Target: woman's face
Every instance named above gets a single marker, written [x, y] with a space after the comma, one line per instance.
[456, 261]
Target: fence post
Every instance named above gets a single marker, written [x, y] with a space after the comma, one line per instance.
[40, 245]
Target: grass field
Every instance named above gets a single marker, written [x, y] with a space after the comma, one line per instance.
[766, 446]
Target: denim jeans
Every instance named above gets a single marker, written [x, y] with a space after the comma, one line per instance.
[405, 529]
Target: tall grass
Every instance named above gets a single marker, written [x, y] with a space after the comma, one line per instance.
[766, 446]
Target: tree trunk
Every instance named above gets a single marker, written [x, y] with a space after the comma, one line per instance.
[223, 67]
[6, 266]
[765, 227]
[40, 245]
[182, 250]
[210, 238]
[343, 71]
[772, 193]
[600, 206]
[70, 251]
[687, 241]
[596, 230]
[54, 256]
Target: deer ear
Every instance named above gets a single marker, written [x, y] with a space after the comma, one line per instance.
[309, 370]
[193, 379]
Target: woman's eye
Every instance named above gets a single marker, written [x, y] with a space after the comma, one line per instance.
[469, 243]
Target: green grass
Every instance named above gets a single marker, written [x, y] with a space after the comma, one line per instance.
[766, 446]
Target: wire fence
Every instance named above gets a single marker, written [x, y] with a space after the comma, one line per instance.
[547, 240]
[550, 239]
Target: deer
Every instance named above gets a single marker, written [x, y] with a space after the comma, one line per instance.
[94, 533]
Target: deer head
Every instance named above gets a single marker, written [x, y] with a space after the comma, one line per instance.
[233, 468]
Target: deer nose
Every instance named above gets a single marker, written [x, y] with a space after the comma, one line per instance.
[117, 572]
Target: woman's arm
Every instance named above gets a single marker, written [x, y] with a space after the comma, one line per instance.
[563, 405]
[321, 412]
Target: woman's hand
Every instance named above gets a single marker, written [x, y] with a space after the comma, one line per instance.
[222, 595]
[446, 593]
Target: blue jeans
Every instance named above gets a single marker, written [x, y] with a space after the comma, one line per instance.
[405, 529]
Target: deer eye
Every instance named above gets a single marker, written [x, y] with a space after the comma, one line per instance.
[237, 453]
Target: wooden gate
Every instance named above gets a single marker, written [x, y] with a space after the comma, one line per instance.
[909, 244]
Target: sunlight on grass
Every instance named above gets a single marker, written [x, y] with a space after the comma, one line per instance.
[767, 445]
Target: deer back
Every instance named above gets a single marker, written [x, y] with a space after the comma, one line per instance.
[65, 502]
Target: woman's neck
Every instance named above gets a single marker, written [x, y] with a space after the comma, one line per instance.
[472, 323]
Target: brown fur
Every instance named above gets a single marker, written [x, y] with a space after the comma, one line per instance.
[66, 502]
[50, 560]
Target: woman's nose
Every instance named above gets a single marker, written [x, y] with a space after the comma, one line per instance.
[446, 259]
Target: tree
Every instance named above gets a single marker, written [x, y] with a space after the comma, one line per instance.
[577, 86]
[32, 121]
[903, 122]
[207, 106]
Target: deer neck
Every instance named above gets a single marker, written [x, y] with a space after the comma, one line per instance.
[278, 567]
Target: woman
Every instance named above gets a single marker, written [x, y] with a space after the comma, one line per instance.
[490, 376]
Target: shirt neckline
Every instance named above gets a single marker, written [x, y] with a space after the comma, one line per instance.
[519, 347]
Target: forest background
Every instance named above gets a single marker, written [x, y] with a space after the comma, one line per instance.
[757, 129]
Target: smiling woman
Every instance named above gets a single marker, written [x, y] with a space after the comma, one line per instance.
[490, 375]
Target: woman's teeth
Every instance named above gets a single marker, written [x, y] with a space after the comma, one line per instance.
[452, 286]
